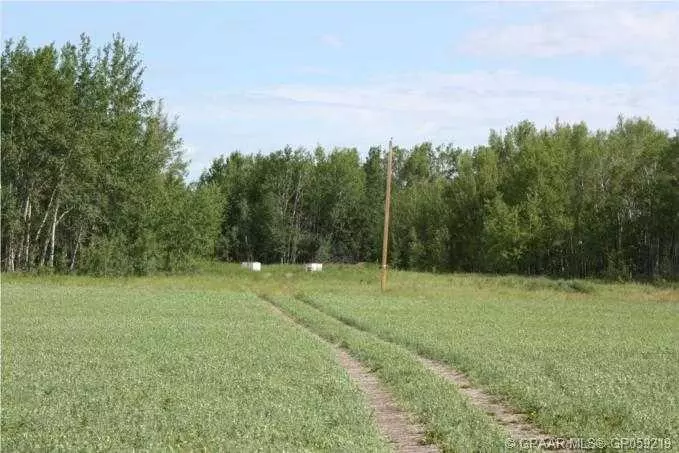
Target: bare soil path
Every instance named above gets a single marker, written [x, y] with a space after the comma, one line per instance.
[396, 425]
[516, 423]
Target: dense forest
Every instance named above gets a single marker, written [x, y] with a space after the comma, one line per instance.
[92, 170]
[94, 181]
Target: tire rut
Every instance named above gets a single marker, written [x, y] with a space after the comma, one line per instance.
[515, 423]
[404, 435]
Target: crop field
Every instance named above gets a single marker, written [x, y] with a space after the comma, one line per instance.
[118, 368]
[230, 360]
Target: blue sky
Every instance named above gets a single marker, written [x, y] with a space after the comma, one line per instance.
[255, 76]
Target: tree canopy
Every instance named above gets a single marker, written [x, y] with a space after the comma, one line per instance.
[93, 181]
[92, 169]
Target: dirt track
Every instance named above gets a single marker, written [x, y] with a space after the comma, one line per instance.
[407, 436]
[394, 424]
[514, 422]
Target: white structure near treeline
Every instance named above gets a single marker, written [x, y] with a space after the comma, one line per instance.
[314, 267]
[255, 266]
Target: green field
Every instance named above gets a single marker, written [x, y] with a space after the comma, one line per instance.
[111, 367]
[203, 362]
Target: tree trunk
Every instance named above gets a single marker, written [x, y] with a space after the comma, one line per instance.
[27, 252]
[27, 204]
[75, 249]
[44, 219]
[54, 230]
[11, 255]
[43, 256]
[296, 223]
[53, 234]
[12, 252]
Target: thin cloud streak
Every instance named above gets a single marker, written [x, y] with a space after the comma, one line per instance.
[438, 107]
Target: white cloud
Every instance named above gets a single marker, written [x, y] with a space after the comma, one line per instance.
[434, 106]
[642, 37]
[190, 150]
[459, 107]
[197, 159]
[478, 100]
[332, 41]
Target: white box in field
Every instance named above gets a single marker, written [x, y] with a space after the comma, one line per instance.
[255, 266]
[314, 267]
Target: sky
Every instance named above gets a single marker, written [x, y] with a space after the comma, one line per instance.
[257, 76]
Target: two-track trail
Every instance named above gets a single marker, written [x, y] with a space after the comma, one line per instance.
[515, 423]
[395, 424]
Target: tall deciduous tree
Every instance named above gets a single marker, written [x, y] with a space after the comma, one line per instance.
[87, 161]
[93, 181]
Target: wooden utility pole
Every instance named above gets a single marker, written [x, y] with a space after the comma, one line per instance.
[387, 203]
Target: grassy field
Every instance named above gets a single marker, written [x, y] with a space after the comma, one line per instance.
[201, 361]
[451, 421]
[100, 367]
[579, 366]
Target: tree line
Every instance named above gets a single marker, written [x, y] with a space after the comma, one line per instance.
[562, 201]
[92, 169]
[93, 181]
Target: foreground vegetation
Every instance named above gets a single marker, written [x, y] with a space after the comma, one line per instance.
[94, 182]
[112, 367]
[450, 420]
[579, 366]
[200, 361]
